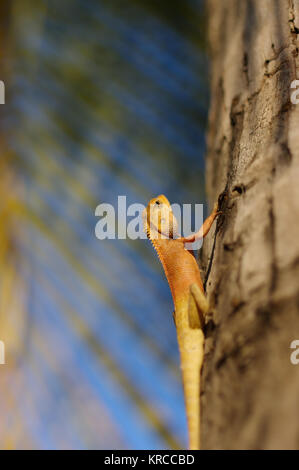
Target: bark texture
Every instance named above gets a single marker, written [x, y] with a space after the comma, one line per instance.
[250, 396]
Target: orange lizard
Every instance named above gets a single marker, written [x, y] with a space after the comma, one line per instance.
[190, 303]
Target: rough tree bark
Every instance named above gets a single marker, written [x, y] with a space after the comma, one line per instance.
[250, 396]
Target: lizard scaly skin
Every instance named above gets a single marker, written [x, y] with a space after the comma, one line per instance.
[190, 304]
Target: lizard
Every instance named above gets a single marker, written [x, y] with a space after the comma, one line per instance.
[190, 302]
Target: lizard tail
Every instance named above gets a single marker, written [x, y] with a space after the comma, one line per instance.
[191, 344]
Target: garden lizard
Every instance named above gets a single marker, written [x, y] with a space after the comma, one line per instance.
[190, 303]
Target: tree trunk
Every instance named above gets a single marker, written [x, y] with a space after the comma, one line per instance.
[250, 396]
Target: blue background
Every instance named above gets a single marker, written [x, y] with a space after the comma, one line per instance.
[103, 98]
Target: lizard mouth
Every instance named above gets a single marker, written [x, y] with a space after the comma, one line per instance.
[154, 231]
[158, 219]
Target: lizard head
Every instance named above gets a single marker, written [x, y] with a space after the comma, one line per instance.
[159, 221]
